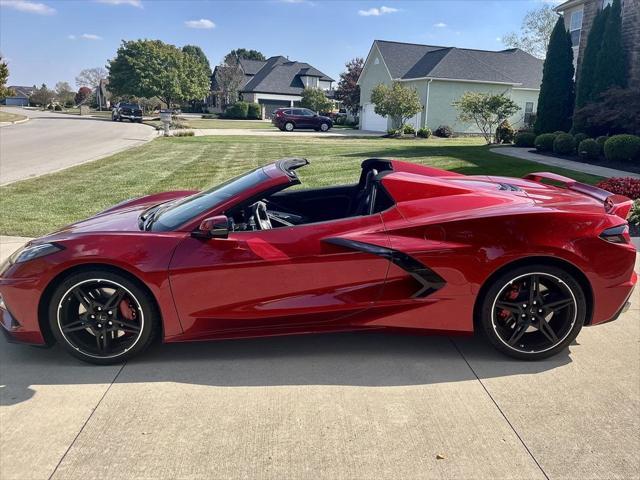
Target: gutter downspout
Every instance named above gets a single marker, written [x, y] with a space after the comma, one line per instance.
[426, 106]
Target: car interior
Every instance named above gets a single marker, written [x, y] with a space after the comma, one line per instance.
[291, 207]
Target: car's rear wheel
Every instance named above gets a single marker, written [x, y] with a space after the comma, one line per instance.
[102, 317]
[324, 127]
[289, 127]
[533, 312]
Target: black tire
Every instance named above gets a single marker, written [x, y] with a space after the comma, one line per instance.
[128, 336]
[289, 127]
[533, 330]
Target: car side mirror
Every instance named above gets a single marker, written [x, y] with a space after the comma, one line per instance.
[213, 227]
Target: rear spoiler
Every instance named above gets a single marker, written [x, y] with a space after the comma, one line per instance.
[613, 204]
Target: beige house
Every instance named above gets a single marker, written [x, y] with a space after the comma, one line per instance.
[441, 75]
[578, 18]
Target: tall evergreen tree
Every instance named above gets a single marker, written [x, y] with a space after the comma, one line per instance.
[611, 66]
[557, 92]
[587, 76]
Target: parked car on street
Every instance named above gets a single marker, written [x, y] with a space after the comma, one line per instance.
[288, 119]
[406, 248]
[130, 111]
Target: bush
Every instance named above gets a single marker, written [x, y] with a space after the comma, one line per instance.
[424, 132]
[558, 132]
[394, 132]
[622, 148]
[525, 139]
[183, 133]
[601, 141]
[627, 186]
[254, 112]
[57, 108]
[544, 142]
[209, 116]
[238, 110]
[50, 107]
[505, 132]
[579, 137]
[588, 149]
[444, 131]
[409, 130]
[634, 215]
[564, 144]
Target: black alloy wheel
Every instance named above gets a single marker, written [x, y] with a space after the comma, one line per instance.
[102, 317]
[533, 312]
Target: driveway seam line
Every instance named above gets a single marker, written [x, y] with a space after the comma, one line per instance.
[87, 420]
[499, 409]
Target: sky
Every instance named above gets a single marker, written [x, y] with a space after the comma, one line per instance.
[50, 41]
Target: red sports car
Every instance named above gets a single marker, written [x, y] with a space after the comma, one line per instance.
[408, 248]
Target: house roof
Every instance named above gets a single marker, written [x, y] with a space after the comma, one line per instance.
[21, 91]
[251, 67]
[568, 4]
[407, 61]
[280, 75]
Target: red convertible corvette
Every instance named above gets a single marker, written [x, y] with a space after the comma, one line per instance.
[408, 248]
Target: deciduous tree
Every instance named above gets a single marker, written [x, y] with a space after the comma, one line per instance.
[151, 68]
[487, 111]
[348, 91]
[64, 94]
[557, 92]
[239, 53]
[228, 79]
[315, 99]
[90, 77]
[42, 96]
[199, 54]
[535, 32]
[398, 102]
[84, 93]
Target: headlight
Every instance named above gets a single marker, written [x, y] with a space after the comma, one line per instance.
[31, 252]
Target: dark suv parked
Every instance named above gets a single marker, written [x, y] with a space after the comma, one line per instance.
[288, 119]
[130, 111]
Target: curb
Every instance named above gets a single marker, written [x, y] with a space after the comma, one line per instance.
[17, 122]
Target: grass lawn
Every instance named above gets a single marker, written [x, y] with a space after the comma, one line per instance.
[10, 117]
[34, 207]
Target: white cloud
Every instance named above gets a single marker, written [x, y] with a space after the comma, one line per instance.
[203, 23]
[376, 12]
[440, 25]
[133, 3]
[91, 36]
[28, 7]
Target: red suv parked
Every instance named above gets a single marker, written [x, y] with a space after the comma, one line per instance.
[288, 119]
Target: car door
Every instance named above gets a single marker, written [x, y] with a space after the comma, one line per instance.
[301, 119]
[284, 278]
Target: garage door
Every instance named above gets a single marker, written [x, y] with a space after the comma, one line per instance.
[371, 120]
[271, 105]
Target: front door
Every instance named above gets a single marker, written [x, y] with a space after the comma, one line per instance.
[281, 278]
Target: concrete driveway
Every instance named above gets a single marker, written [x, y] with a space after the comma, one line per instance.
[53, 141]
[342, 406]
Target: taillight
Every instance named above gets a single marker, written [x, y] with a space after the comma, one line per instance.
[619, 234]
[279, 113]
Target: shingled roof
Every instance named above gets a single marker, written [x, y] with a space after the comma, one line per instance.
[407, 61]
[280, 75]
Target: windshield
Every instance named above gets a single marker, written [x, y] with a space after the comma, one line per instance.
[173, 215]
[130, 105]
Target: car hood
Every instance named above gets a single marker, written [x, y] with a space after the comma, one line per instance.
[122, 217]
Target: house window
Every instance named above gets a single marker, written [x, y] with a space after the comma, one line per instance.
[575, 27]
[528, 113]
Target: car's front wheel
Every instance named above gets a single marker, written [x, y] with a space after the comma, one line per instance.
[102, 317]
[289, 127]
[533, 312]
[324, 127]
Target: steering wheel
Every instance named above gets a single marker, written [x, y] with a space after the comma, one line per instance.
[259, 212]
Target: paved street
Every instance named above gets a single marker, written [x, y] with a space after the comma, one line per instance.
[53, 141]
[342, 406]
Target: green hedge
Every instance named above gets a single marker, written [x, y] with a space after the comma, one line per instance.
[544, 142]
[525, 139]
[564, 144]
[622, 148]
[238, 110]
[588, 149]
[254, 112]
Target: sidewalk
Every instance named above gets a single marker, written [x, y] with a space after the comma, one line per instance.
[525, 154]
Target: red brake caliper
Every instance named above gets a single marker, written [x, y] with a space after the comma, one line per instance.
[511, 295]
[127, 310]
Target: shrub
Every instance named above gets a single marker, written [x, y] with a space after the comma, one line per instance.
[57, 108]
[424, 132]
[209, 116]
[394, 132]
[564, 144]
[444, 131]
[634, 215]
[558, 132]
[409, 129]
[525, 139]
[622, 148]
[544, 142]
[184, 133]
[50, 107]
[627, 186]
[254, 112]
[505, 132]
[579, 137]
[238, 110]
[588, 149]
[601, 141]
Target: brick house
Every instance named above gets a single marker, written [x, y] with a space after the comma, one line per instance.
[578, 18]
